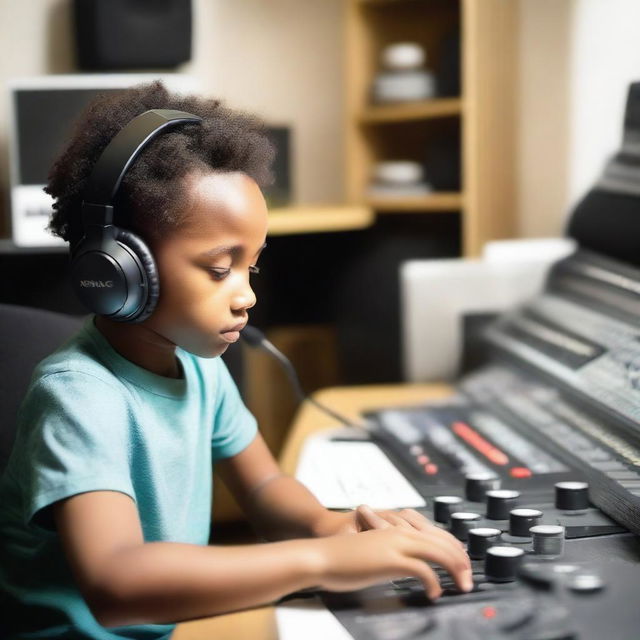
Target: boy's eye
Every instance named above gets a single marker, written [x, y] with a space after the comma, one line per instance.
[219, 273]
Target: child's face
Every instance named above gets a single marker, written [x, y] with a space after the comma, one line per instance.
[204, 266]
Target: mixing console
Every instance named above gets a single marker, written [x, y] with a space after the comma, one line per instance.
[534, 463]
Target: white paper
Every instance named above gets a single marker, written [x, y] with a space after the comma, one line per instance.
[343, 475]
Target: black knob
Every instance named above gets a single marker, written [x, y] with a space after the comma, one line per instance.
[443, 506]
[480, 539]
[501, 563]
[500, 502]
[521, 520]
[572, 496]
[461, 522]
[477, 485]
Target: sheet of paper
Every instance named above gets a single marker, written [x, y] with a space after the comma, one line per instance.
[344, 474]
[309, 620]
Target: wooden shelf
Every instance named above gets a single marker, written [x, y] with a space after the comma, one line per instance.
[479, 122]
[422, 110]
[443, 201]
[378, 2]
[319, 218]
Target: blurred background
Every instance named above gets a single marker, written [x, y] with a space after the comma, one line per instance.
[406, 130]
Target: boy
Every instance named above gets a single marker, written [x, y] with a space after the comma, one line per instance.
[105, 503]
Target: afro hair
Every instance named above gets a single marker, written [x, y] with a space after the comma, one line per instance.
[149, 197]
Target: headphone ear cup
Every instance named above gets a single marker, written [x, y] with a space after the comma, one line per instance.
[143, 253]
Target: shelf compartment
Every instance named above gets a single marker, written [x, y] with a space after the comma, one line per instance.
[422, 110]
[437, 201]
[319, 219]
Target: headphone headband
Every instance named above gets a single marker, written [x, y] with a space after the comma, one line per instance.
[124, 148]
[112, 270]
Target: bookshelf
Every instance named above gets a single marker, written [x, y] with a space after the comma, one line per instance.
[480, 120]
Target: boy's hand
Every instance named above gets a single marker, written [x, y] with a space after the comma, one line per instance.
[425, 541]
[355, 561]
[365, 518]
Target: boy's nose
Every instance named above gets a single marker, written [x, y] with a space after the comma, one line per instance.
[243, 299]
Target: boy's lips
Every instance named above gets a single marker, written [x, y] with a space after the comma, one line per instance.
[233, 334]
[238, 327]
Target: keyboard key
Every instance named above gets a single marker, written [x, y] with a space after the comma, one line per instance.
[623, 475]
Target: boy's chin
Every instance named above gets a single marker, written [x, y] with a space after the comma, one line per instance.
[215, 351]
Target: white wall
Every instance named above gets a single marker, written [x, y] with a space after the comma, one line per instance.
[605, 58]
[542, 120]
[577, 58]
[282, 59]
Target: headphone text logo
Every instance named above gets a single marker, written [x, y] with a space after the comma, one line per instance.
[96, 283]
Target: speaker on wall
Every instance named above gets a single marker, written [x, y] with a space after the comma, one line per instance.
[132, 34]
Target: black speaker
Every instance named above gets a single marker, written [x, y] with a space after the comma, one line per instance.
[132, 34]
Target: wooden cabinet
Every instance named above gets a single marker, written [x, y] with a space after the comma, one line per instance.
[479, 121]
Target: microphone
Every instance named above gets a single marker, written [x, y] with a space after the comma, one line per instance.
[256, 338]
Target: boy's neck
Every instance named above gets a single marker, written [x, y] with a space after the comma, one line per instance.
[142, 346]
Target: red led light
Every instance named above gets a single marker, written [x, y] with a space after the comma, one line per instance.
[472, 437]
[520, 472]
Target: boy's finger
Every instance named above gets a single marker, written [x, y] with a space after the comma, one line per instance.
[428, 578]
[370, 518]
[397, 521]
[422, 524]
[452, 559]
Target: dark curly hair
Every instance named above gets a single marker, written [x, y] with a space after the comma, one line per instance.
[151, 192]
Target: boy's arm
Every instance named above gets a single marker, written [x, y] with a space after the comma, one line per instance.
[127, 581]
[280, 507]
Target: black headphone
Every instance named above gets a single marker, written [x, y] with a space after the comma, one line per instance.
[112, 270]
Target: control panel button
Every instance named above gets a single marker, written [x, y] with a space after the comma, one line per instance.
[477, 485]
[548, 539]
[501, 563]
[521, 520]
[500, 502]
[585, 583]
[461, 522]
[571, 496]
[480, 539]
[443, 506]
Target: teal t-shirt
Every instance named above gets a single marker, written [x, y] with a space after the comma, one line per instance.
[90, 421]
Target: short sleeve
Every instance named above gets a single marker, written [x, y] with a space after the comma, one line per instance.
[74, 431]
[234, 426]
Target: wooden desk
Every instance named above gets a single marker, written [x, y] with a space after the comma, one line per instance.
[259, 624]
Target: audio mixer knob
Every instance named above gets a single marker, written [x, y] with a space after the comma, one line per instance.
[521, 520]
[572, 496]
[477, 485]
[501, 563]
[443, 506]
[480, 539]
[461, 522]
[500, 502]
[548, 539]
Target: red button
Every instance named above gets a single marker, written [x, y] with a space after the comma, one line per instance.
[472, 437]
[423, 459]
[520, 472]
[489, 612]
[431, 468]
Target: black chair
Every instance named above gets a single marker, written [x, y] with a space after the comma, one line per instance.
[28, 336]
